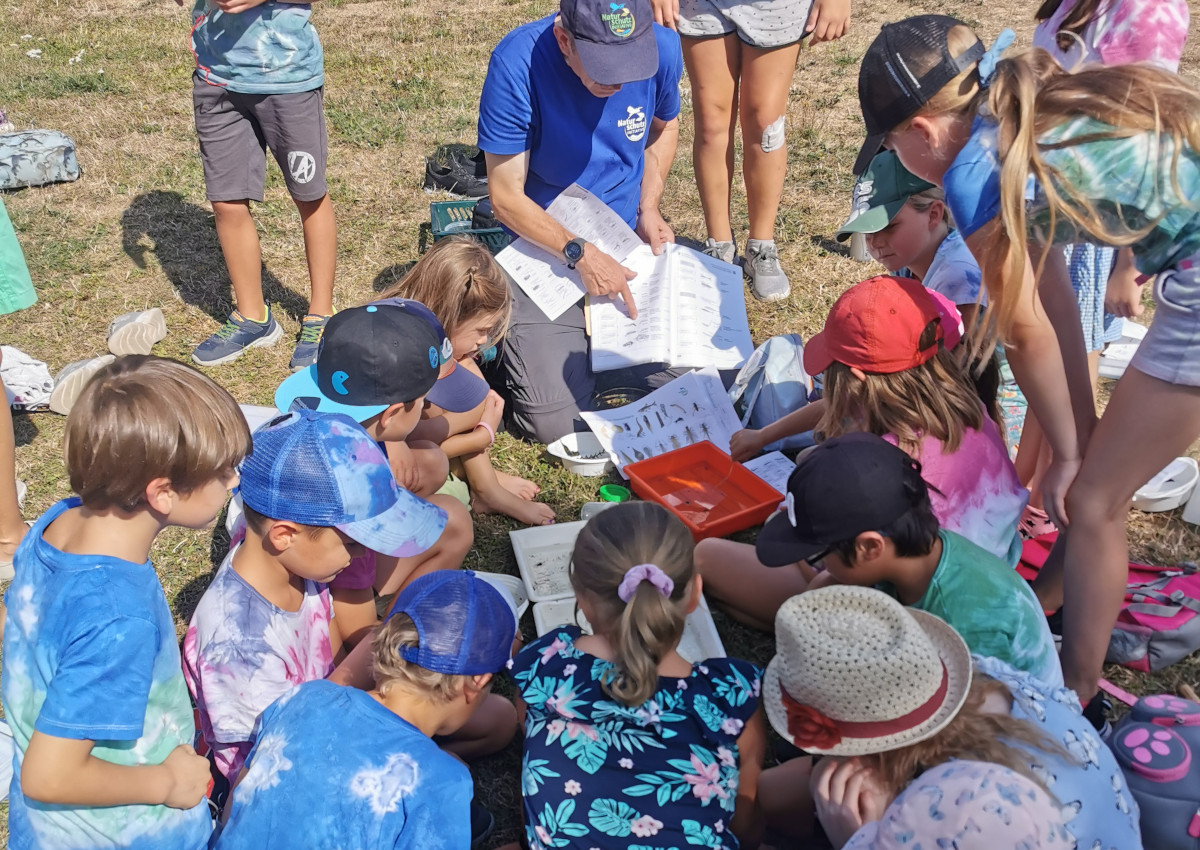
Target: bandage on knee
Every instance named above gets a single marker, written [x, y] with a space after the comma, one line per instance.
[772, 137]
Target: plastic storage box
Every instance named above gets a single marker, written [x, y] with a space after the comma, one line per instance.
[703, 486]
[447, 218]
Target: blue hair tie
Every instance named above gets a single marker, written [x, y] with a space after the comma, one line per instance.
[987, 62]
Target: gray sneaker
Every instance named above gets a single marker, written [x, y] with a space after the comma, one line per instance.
[136, 333]
[232, 340]
[69, 383]
[724, 251]
[767, 280]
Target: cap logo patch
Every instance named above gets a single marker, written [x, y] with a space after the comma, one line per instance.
[619, 20]
[434, 361]
[790, 504]
[338, 380]
[863, 190]
[447, 349]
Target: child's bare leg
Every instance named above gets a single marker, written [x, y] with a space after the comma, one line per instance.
[785, 799]
[320, 248]
[354, 610]
[12, 524]
[518, 486]
[490, 729]
[746, 589]
[433, 467]
[447, 553]
[243, 256]
[489, 496]
[1097, 556]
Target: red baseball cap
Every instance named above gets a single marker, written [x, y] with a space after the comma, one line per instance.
[876, 326]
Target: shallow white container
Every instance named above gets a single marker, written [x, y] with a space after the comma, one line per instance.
[510, 586]
[700, 639]
[591, 459]
[543, 558]
[1170, 488]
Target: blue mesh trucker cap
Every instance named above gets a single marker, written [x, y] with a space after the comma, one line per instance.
[465, 627]
[323, 469]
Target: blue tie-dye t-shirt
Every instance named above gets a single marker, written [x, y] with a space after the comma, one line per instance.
[90, 653]
[332, 767]
[270, 49]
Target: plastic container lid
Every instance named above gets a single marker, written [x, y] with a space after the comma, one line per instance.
[615, 493]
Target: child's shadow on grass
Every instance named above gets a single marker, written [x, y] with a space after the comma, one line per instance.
[183, 239]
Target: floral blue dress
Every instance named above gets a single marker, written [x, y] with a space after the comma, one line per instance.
[596, 774]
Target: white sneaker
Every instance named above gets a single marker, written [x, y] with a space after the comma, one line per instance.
[767, 280]
[136, 333]
[72, 379]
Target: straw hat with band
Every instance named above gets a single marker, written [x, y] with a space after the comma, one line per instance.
[857, 673]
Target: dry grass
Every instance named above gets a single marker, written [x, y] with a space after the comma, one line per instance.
[402, 77]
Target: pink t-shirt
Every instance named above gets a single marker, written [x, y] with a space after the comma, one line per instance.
[975, 491]
[1121, 32]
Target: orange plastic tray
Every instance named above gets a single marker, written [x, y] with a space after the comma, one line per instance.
[703, 486]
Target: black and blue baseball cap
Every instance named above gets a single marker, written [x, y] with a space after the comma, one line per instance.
[370, 358]
[465, 626]
[615, 41]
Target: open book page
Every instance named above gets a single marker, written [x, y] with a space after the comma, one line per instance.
[773, 468]
[709, 307]
[543, 275]
[691, 408]
[617, 340]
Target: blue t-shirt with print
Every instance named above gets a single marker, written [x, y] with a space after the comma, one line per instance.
[332, 767]
[596, 773]
[532, 101]
[270, 49]
[90, 653]
[954, 272]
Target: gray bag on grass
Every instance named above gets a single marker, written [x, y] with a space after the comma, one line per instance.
[35, 158]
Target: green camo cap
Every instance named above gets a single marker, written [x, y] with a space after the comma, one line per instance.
[879, 194]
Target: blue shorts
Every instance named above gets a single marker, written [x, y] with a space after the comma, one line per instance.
[1171, 349]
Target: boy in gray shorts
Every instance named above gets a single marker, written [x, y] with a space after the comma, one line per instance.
[259, 84]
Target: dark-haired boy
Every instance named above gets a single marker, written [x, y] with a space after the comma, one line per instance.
[92, 684]
[858, 506]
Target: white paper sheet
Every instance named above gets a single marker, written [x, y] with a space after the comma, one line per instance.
[692, 408]
[773, 468]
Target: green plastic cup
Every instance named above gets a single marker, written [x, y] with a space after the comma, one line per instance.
[615, 493]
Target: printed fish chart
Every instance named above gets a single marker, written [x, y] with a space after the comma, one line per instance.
[692, 408]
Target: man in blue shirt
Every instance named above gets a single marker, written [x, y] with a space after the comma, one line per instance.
[590, 96]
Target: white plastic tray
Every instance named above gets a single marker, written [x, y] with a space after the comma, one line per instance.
[700, 639]
[510, 586]
[543, 558]
[1170, 488]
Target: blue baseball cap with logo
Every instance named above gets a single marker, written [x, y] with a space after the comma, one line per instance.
[615, 41]
[325, 470]
[465, 626]
[370, 357]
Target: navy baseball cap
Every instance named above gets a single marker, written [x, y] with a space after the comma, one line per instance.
[906, 65]
[839, 489]
[615, 41]
[324, 470]
[370, 357]
[456, 390]
[465, 626]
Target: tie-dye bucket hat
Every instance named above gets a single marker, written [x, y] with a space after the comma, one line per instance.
[323, 469]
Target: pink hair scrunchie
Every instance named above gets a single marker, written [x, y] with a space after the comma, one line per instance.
[644, 572]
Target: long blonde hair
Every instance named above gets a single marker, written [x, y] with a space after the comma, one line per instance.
[934, 399]
[1075, 22]
[459, 280]
[973, 734]
[1028, 96]
[642, 631]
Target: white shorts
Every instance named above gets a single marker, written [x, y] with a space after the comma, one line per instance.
[764, 24]
[1171, 349]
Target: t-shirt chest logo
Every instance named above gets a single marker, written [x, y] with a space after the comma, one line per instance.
[619, 20]
[634, 123]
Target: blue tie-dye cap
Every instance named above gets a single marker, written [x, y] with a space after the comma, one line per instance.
[323, 469]
[465, 627]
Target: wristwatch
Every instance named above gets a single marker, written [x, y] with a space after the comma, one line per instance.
[573, 251]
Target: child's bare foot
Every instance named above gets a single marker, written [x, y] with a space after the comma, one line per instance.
[502, 501]
[520, 487]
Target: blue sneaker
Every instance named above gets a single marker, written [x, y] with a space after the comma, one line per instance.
[232, 340]
[311, 328]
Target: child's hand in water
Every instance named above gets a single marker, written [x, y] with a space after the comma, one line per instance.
[847, 795]
[746, 444]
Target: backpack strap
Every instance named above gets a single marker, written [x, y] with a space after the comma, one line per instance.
[1117, 693]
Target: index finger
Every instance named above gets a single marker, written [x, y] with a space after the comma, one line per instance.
[627, 297]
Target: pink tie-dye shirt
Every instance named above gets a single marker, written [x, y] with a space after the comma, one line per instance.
[241, 653]
[1121, 32]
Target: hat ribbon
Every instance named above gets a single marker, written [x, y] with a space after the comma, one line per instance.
[644, 572]
[987, 62]
[810, 728]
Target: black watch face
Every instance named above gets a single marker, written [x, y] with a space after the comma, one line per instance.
[573, 252]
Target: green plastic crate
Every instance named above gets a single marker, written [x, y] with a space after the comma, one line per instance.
[447, 218]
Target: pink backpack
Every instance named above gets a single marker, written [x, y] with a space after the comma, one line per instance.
[1159, 623]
